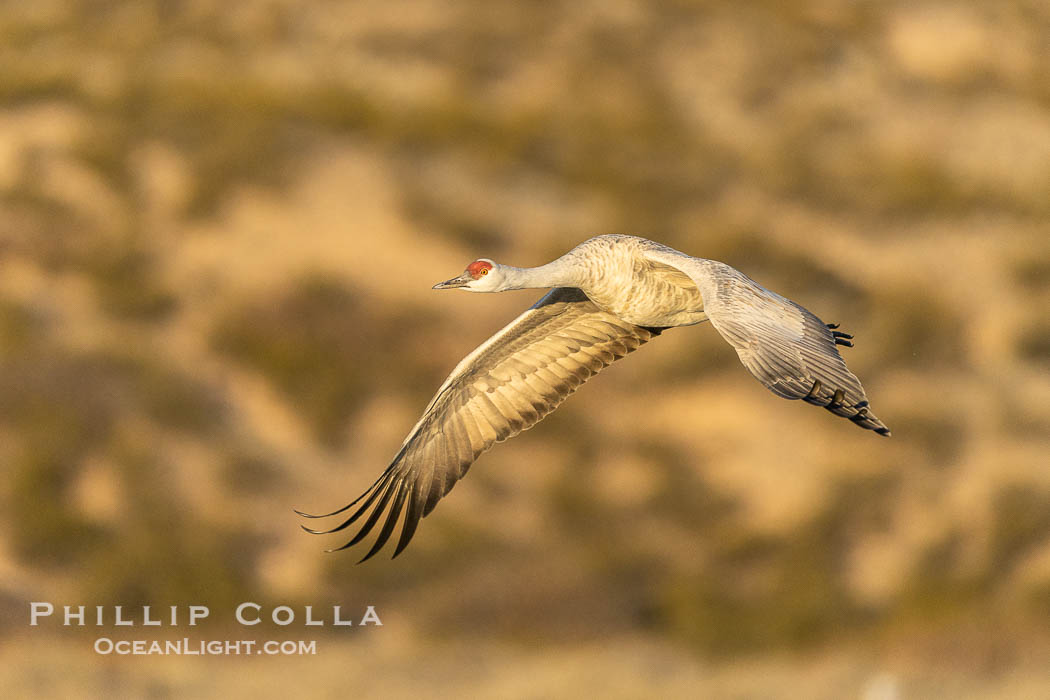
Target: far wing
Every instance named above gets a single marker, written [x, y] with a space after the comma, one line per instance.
[787, 348]
[505, 386]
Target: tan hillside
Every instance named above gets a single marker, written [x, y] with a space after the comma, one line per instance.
[219, 226]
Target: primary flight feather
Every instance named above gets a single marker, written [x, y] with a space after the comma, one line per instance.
[610, 295]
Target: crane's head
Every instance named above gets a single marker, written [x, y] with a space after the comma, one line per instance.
[482, 275]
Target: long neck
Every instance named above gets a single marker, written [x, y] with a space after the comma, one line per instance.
[559, 273]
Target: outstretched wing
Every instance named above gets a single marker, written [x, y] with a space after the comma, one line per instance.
[505, 386]
[785, 346]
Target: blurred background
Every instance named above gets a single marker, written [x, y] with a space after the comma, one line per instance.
[219, 225]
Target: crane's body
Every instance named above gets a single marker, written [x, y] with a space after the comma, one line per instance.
[610, 295]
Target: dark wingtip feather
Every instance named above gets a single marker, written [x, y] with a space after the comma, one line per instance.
[337, 528]
[390, 523]
[325, 515]
[316, 515]
[382, 477]
[337, 549]
[372, 519]
[412, 517]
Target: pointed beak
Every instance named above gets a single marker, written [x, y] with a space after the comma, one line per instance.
[461, 281]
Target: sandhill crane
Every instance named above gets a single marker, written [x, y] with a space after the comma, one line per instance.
[610, 295]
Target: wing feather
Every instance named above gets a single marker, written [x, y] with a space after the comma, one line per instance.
[786, 347]
[412, 516]
[505, 386]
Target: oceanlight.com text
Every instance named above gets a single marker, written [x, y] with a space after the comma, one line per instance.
[202, 647]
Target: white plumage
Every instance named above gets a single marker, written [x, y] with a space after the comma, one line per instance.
[611, 294]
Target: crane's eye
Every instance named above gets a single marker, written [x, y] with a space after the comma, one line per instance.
[484, 271]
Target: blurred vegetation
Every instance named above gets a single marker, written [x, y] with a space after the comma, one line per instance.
[762, 592]
[199, 199]
[321, 345]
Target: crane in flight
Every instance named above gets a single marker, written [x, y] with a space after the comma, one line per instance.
[609, 295]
